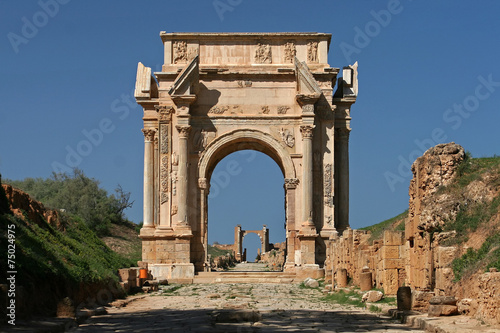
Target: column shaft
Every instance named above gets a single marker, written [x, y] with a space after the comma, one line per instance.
[148, 209]
[343, 178]
[182, 175]
[307, 173]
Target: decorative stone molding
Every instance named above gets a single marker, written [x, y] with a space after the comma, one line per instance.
[263, 54]
[328, 184]
[306, 131]
[164, 112]
[203, 183]
[246, 83]
[308, 108]
[164, 174]
[149, 134]
[183, 130]
[287, 137]
[291, 183]
[163, 139]
[282, 109]
[312, 51]
[174, 182]
[180, 52]
[218, 109]
[290, 52]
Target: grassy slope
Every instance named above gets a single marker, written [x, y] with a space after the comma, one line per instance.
[53, 264]
[394, 223]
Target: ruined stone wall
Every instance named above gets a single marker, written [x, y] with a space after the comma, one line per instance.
[354, 251]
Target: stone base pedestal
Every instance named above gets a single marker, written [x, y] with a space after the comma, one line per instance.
[311, 270]
[174, 273]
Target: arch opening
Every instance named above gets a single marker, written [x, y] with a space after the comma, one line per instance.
[246, 189]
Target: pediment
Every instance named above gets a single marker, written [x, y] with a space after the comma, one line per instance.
[306, 84]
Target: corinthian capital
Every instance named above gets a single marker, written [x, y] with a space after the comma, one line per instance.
[343, 133]
[149, 134]
[306, 131]
[183, 130]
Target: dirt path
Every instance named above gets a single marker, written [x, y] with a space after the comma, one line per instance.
[238, 308]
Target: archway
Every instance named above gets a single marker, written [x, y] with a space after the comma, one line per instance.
[218, 94]
[246, 191]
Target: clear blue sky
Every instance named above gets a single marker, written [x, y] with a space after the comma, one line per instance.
[424, 68]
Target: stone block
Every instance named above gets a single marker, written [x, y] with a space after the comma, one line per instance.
[444, 278]
[341, 278]
[393, 238]
[390, 252]
[127, 274]
[372, 296]
[392, 264]
[436, 310]
[390, 281]
[420, 300]
[443, 300]
[445, 255]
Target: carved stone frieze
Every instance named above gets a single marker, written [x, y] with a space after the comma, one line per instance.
[328, 184]
[291, 183]
[306, 131]
[287, 137]
[180, 52]
[163, 139]
[164, 179]
[308, 108]
[265, 109]
[263, 54]
[283, 109]
[290, 52]
[246, 83]
[218, 109]
[312, 51]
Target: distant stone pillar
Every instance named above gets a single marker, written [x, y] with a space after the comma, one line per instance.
[148, 208]
[341, 278]
[343, 177]
[290, 188]
[182, 179]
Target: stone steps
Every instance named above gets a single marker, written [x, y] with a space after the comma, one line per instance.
[244, 277]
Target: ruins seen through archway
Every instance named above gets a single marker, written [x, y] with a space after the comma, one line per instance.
[218, 93]
[246, 188]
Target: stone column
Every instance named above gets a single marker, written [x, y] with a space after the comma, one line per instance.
[307, 173]
[182, 179]
[290, 187]
[204, 190]
[148, 210]
[343, 177]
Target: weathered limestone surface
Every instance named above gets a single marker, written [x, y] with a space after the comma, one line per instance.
[218, 93]
[416, 257]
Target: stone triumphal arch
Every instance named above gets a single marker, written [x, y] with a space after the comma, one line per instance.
[218, 93]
